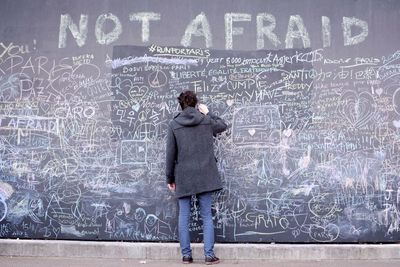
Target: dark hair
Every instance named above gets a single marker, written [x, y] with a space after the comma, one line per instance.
[187, 99]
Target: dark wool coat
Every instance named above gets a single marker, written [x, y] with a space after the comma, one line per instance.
[190, 160]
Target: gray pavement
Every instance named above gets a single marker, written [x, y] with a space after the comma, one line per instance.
[61, 253]
[171, 252]
[90, 262]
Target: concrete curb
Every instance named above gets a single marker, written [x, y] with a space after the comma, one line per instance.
[170, 251]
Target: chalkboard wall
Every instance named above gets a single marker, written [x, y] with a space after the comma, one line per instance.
[310, 90]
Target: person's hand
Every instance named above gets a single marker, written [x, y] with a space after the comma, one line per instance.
[203, 109]
[172, 187]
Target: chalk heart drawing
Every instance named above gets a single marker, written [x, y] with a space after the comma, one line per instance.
[322, 205]
[287, 132]
[136, 107]
[356, 108]
[137, 92]
[230, 102]
[251, 131]
[396, 124]
[379, 91]
[123, 104]
[324, 233]
[44, 106]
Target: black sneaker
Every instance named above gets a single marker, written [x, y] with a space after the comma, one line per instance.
[211, 260]
[187, 259]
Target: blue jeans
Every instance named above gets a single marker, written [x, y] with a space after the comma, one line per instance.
[205, 200]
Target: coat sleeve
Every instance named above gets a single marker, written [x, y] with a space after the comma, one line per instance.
[218, 125]
[171, 153]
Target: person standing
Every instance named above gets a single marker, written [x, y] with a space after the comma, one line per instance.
[191, 169]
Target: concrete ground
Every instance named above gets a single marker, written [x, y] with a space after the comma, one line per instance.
[90, 262]
[59, 253]
[135, 252]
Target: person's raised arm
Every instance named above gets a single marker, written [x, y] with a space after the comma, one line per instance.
[218, 125]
